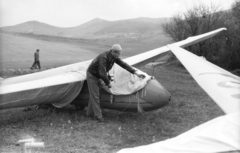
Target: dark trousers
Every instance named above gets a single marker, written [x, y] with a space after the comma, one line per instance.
[94, 94]
[36, 63]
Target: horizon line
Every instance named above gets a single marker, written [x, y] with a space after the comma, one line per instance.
[84, 22]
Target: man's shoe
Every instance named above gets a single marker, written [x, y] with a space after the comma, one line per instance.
[100, 119]
[88, 116]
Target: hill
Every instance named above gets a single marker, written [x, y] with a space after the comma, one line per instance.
[134, 26]
[87, 29]
[33, 27]
[61, 46]
[95, 27]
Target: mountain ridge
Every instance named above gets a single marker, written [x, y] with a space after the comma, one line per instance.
[94, 27]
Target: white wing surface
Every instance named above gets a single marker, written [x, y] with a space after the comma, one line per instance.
[222, 86]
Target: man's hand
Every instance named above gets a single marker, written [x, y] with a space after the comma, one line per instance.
[102, 82]
[141, 76]
[110, 85]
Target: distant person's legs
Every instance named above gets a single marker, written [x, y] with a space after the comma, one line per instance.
[34, 65]
[39, 66]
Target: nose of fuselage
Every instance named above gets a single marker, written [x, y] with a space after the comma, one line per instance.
[155, 94]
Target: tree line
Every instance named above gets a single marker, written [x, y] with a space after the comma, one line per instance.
[223, 49]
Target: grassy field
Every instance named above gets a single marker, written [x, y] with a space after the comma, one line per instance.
[66, 130]
[17, 52]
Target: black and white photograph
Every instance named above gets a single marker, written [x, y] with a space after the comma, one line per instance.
[120, 76]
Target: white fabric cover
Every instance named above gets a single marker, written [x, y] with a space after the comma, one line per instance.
[221, 134]
[124, 82]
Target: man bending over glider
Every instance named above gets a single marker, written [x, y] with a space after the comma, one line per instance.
[98, 69]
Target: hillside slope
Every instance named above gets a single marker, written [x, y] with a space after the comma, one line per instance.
[33, 27]
[18, 52]
[94, 27]
[134, 26]
[61, 46]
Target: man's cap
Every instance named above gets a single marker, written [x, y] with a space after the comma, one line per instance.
[37, 49]
[116, 47]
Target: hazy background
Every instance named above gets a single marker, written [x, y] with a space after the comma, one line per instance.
[70, 31]
[70, 13]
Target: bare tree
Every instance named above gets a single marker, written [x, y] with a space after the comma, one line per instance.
[223, 49]
[197, 20]
[230, 57]
[236, 12]
[175, 28]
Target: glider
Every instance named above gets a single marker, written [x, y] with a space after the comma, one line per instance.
[221, 134]
[67, 85]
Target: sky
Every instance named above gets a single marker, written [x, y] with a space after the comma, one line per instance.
[71, 13]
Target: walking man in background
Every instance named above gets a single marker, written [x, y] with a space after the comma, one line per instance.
[36, 60]
[98, 69]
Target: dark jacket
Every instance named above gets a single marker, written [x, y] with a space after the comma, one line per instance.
[103, 63]
[36, 56]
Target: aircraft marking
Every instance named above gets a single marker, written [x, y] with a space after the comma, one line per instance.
[227, 84]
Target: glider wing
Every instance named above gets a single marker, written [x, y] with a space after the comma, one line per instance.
[61, 85]
[222, 86]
